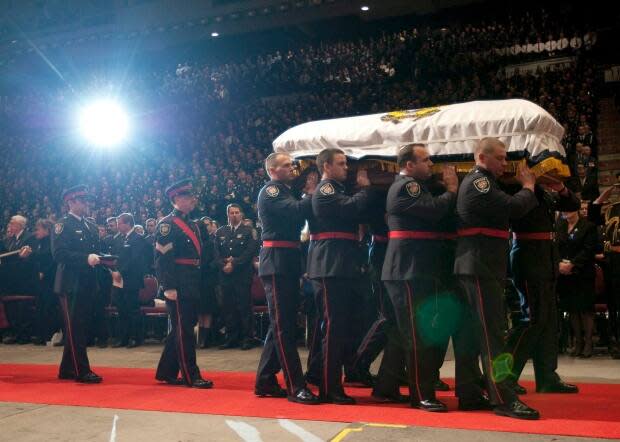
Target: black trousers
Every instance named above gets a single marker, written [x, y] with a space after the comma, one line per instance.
[20, 314]
[536, 334]
[179, 354]
[338, 304]
[415, 324]
[486, 299]
[77, 313]
[314, 365]
[127, 302]
[237, 307]
[48, 314]
[375, 338]
[280, 349]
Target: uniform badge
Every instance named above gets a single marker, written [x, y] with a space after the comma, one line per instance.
[239, 236]
[272, 191]
[254, 234]
[413, 189]
[482, 185]
[327, 189]
[164, 229]
[58, 228]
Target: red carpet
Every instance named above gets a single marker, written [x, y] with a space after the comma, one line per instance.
[595, 412]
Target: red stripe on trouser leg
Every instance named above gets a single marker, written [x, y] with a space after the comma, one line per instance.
[287, 372]
[413, 340]
[181, 346]
[70, 334]
[327, 335]
[486, 336]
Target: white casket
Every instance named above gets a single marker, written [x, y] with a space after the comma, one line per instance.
[449, 132]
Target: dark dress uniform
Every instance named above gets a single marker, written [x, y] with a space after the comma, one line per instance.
[242, 245]
[534, 263]
[132, 267]
[282, 217]
[47, 310]
[333, 265]
[417, 271]
[178, 254]
[374, 316]
[481, 262]
[73, 239]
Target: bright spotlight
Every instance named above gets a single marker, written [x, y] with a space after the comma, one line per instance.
[103, 123]
[215, 34]
[365, 8]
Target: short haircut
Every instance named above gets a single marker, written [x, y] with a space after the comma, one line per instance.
[233, 206]
[112, 218]
[153, 220]
[326, 156]
[487, 146]
[19, 219]
[126, 218]
[407, 153]
[272, 160]
[45, 224]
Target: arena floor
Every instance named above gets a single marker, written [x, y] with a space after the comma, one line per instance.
[35, 422]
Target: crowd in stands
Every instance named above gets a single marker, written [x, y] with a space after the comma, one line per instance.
[215, 122]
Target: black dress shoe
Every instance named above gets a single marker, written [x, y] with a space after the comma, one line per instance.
[9, 340]
[362, 377]
[557, 387]
[304, 396]
[432, 405]
[89, 378]
[102, 344]
[440, 385]
[517, 388]
[390, 398]
[312, 380]
[247, 344]
[171, 381]
[66, 376]
[132, 343]
[516, 409]
[338, 399]
[201, 383]
[38, 341]
[119, 344]
[229, 344]
[270, 391]
[473, 404]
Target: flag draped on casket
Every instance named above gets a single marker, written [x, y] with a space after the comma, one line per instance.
[449, 132]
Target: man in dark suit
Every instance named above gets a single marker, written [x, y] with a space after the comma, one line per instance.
[585, 184]
[236, 245]
[282, 216]
[483, 211]
[534, 262]
[20, 278]
[131, 269]
[75, 244]
[333, 263]
[417, 270]
[178, 259]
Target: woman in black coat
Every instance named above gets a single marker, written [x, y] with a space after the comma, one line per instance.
[47, 315]
[577, 243]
